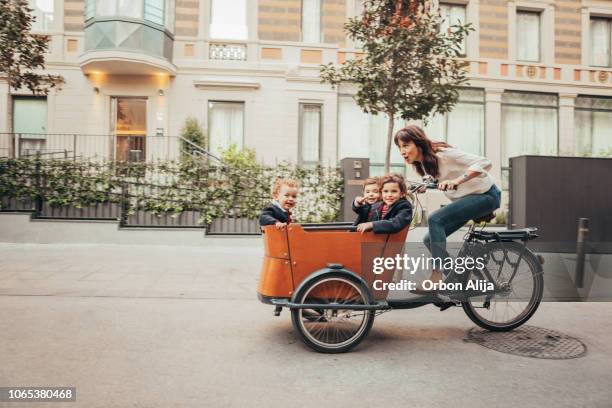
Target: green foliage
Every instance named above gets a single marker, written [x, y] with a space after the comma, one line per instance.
[194, 135]
[239, 188]
[22, 53]
[409, 68]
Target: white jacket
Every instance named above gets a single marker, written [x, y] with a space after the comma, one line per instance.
[454, 163]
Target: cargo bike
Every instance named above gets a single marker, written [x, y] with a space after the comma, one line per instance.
[322, 273]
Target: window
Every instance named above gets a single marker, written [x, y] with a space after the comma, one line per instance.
[452, 14]
[30, 120]
[600, 42]
[357, 12]
[593, 126]
[156, 11]
[363, 135]
[225, 125]
[43, 13]
[463, 127]
[311, 21]
[528, 36]
[229, 20]
[30, 114]
[529, 124]
[310, 134]
[153, 11]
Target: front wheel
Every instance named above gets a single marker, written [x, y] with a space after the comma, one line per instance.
[332, 330]
[519, 284]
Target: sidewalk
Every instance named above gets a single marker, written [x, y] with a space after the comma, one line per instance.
[162, 326]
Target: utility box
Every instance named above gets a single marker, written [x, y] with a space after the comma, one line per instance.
[553, 193]
[354, 172]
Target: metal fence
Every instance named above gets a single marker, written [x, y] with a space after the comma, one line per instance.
[100, 147]
[124, 204]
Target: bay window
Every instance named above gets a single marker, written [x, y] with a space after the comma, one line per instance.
[159, 12]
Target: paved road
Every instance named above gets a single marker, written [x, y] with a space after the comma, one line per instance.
[145, 326]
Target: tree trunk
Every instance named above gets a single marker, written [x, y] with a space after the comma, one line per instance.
[9, 118]
[390, 126]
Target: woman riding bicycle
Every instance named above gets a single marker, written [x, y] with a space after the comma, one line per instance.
[462, 176]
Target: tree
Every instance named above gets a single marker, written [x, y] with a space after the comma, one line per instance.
[193, 140]
[409, 68]
[22, 54]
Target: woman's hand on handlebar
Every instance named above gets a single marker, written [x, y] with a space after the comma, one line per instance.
[448, 185]
[365, 226]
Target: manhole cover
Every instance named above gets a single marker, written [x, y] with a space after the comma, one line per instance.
[529, 341]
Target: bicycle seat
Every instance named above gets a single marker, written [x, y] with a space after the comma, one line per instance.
[485, 218]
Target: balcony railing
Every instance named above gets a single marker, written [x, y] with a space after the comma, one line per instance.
[227, 51]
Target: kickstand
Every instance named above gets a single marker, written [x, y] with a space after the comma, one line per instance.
[277, 310]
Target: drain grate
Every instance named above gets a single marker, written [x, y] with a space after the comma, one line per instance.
[529, 341]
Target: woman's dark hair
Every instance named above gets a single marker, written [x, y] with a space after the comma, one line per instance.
[428, 148]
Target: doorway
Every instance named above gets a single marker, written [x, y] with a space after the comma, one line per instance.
[130, 128]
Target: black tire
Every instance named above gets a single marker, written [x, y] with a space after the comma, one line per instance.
[336, 331]
[531, 274]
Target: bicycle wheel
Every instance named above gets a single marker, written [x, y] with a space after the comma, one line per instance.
[516, 298]
[332, 330]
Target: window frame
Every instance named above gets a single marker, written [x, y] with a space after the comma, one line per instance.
[301, 160]
[522, 105]
[608, 20]
[45, 27]
[464, 6]
[591, 110]
[540, 27]
[482, 103]
[320, 2]
[211, 10]
[209, 116]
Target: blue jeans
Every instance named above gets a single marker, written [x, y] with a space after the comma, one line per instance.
[453, 216]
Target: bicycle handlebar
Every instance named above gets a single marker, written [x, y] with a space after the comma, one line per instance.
[430, 185]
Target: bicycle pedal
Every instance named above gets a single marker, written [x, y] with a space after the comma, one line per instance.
[446, 305]
[277, 310]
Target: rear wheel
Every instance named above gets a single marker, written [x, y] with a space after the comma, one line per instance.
[333, 330]
[516, 274]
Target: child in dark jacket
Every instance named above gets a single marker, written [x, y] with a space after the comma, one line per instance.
[394, 212]
[363, 205]
[278, 212]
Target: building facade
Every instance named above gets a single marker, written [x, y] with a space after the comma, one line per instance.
[540, 79]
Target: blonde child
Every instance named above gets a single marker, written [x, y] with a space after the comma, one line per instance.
[278, 212]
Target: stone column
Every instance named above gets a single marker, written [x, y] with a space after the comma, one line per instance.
[566, 124]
